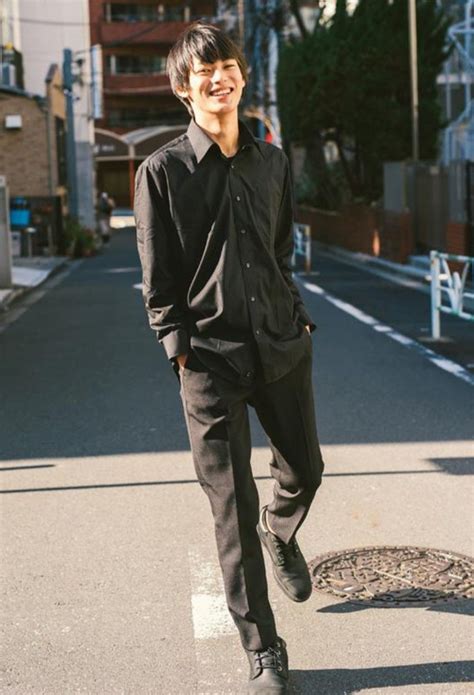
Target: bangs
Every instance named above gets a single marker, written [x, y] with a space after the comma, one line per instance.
[203, 42]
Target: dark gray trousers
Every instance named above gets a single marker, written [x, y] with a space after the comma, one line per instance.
[218, 426]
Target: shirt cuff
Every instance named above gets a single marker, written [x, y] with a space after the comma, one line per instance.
[176, 343]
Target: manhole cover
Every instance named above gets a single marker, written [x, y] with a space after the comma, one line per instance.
[394, 575]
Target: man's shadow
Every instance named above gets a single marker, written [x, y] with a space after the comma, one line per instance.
[347, 681]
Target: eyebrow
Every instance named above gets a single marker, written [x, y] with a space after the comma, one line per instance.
[202, 65]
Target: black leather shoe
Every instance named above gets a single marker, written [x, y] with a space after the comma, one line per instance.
[269, 670]
[289, 566]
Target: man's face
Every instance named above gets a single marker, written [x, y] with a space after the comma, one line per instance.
[214, 87]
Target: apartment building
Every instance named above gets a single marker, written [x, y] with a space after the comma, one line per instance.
[40, 31]
[140, 113]
[135, 39]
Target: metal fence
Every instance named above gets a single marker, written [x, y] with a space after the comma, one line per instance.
[450, 286]
[301, 246]
[470, 204]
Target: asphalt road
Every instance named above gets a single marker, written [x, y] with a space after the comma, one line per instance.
[111, 579]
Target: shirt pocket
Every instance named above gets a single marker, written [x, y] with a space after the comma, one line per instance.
[266, 204]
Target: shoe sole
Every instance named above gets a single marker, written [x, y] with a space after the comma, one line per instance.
[275, 573]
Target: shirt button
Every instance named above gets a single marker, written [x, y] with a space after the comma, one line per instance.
[232, 166]
[248, 375]
[252, 299]
[247, 265]
[243, 231]
[237, 197]
[257, 332]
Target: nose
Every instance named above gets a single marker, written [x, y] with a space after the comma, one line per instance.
[216, 75]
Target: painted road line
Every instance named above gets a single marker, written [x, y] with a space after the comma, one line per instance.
[211, 618]
[437, 360]
[128, 269]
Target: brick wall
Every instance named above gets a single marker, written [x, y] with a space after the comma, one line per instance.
[23, 152]
[457, 238]
[360, 228]
[397, 241]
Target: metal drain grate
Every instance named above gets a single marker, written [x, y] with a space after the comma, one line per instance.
[394, 575]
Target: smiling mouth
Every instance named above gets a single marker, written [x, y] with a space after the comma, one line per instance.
[221, 92]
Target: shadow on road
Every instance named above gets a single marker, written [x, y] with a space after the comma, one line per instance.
[467, 470]
[347, 681]
[458, 606]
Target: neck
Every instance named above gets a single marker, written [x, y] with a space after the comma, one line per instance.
[222, 128]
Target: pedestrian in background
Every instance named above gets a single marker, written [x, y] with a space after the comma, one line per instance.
[214, 215]
[104, 212]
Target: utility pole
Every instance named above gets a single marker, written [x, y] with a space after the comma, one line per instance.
[259, 67]
[5, 244]
[413, 78]
[273, 59]
[241, 20]
[70, 143]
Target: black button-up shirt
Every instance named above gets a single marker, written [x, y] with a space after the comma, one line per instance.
[215, 239]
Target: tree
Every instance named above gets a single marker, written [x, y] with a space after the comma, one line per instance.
[348, 83]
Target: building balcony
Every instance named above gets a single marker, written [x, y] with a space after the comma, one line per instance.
[139, 33]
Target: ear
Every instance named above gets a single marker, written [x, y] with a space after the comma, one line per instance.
[182, 92]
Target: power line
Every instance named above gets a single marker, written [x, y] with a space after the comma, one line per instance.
[54, 23]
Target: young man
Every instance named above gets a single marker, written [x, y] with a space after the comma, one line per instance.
[214, 220]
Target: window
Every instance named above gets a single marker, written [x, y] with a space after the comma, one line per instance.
[119, 12]
[131, 118]
[135, 64]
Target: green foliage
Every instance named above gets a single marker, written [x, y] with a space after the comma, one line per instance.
[349, 83]
[79, 241]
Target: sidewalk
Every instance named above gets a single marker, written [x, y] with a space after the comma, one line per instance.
[374, 263]
[28, 273]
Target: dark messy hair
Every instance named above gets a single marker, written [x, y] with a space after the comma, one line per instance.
[206, 43]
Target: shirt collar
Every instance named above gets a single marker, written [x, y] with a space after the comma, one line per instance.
[201, 142]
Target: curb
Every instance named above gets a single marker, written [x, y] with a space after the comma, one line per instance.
[363, 259]
[15, 293]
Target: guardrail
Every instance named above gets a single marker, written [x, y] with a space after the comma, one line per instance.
[302, 244]
[454, 288]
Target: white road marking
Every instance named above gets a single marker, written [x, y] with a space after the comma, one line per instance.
[211, 618]
[439, 361]
[131, 269]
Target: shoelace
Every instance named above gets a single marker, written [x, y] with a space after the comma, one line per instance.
[269, 658]
[284, 550]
